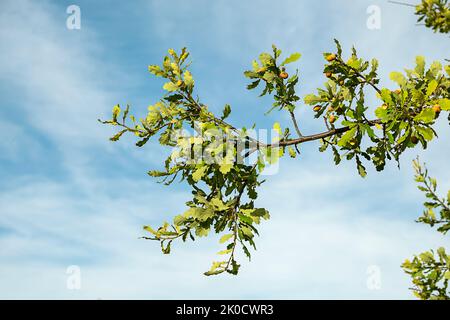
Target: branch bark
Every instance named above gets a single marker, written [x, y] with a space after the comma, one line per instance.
[321, 135]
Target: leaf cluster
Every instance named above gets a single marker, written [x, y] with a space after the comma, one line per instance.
[430, 271]
[435, 14]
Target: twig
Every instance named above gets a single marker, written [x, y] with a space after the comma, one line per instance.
[318, 136]
[295, 123]
[402, 3]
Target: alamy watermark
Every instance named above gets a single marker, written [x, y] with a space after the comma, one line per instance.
[73, 21]
[374, 20]
[373, 281]
[73, 281]
[208, 145]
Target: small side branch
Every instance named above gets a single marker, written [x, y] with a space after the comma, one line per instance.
[322, 135]
[402, 3]
[294, 120]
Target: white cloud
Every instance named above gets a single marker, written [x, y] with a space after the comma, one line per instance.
[42, 59]
[14, 137]
[62, 86]
[305, 250]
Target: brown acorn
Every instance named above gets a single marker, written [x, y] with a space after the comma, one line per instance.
[284, 75]
[414, 139]
[328, 74]
[332, 118]
[317, 108]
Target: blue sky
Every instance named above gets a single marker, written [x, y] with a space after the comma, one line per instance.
[68, 196]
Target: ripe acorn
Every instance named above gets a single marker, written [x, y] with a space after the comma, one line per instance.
[284, 75]
[331, 57]
[332, 118]
[437, 108]
[328, 74]
[317, 108]
[414, 139]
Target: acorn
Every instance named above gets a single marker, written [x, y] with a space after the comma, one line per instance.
[341, 83]
[331, 57]
[384, 106]
[328, 74]
[284, 75]
[332, 118]
[437, 108]
[398, 91]
[317, 108]
[414, 139]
